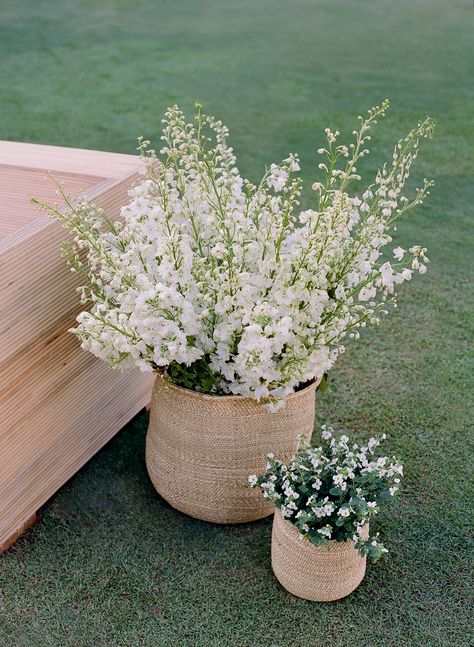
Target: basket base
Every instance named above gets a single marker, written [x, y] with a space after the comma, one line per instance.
[317, 598]
[213, 511]
[317, 573]
[221, 519]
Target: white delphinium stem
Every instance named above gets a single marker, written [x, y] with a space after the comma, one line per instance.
[222, 283]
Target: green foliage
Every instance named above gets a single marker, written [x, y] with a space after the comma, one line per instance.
[333, 490]
[199, 372]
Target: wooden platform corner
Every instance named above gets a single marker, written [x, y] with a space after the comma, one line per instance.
[7, 543]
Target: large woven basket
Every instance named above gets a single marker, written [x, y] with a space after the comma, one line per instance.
[200, 449]
[318, 573]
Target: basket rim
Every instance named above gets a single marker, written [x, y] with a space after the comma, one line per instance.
[232, 398]
[329, 546]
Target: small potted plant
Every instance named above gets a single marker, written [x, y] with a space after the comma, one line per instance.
[325, 497]
[238, 301]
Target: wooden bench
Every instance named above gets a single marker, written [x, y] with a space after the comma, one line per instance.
[58, 404]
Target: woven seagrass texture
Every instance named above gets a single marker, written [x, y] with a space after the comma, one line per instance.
[200, 449]
[318, 573]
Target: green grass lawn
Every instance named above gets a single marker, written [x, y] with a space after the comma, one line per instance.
[110, 564]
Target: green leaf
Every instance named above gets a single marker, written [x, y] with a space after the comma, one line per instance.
[356, 501]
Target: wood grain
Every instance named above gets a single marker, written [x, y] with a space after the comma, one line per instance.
[58, 404]
[17, 533]
[67, 160]
[16, 209]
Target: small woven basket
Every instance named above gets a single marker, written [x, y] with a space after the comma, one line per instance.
[319, 573]
[200, 449]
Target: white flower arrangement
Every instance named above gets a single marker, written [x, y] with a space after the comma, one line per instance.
[332, 491]
[222, 284]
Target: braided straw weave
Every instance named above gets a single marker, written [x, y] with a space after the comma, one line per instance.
[318, 573]
[200, 449]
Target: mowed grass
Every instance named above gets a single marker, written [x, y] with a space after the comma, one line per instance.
[110, 564]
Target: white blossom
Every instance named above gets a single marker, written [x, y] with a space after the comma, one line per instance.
[344, 512]
[326, 512]
[210, 276]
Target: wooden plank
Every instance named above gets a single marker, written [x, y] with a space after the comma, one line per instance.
[58, 404]
[18, 185]
[68, 160]
[66, 433]
[31, 294]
